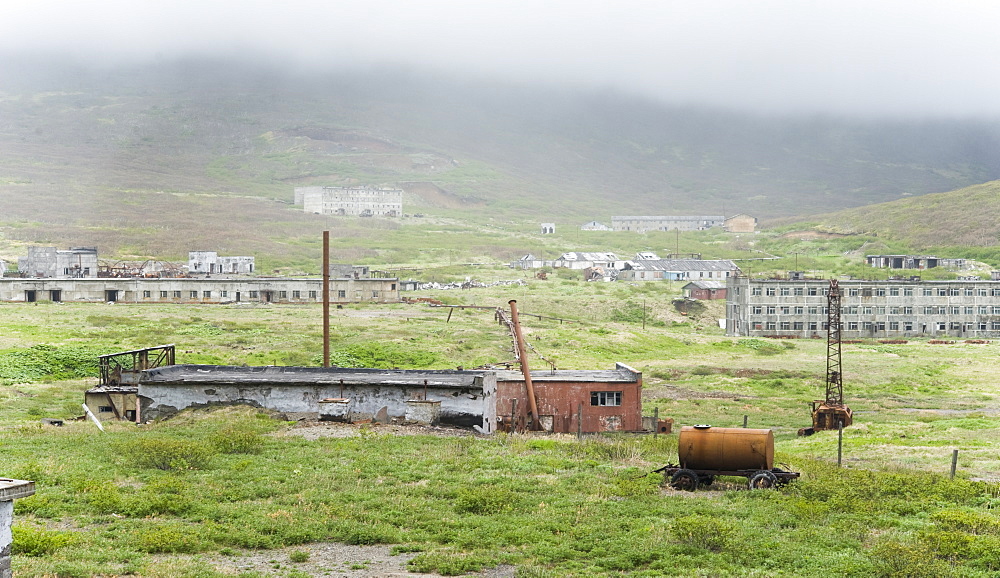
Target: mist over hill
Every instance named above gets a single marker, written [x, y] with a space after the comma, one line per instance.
[89, 147]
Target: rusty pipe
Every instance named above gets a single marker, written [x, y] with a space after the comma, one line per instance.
[523, 357]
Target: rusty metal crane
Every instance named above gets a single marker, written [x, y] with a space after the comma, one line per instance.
[831, 412]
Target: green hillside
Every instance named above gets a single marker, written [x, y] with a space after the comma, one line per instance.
[967, 217]
[156, 161]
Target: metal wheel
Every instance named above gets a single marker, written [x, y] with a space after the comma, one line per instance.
[763, 480]
[685, 480]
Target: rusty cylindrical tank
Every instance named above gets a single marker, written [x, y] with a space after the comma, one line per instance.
[725, 448]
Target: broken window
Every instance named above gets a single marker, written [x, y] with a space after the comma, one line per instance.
[894, 292]
[206, 294]
[147, 294]
[194, 294]
[771, 291]
[312, 294]
[296, 295]
[163, 294]
[755, 291]
[604, 398]
[908, 292]
[177, 294]
[105, 409]
[342, 294]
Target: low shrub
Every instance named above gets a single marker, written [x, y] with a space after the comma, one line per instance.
[167, 454]
[31, 541]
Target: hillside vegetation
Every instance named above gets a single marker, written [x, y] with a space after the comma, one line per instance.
[152, 162]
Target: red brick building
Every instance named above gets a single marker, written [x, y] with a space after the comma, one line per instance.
[606, 400]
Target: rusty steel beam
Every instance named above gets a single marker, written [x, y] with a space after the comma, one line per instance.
[523, 358]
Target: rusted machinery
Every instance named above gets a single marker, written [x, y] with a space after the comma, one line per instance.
[831, 413]
[705, 452]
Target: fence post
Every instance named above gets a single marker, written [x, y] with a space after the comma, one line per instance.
[656, 421]
[954, 463]
[745, 417]
[840, 442]
[579, 422]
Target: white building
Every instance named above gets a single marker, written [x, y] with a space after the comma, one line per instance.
[208, 262]
[351, 201]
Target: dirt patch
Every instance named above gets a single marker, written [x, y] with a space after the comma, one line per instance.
[435, 196]
[675, 392]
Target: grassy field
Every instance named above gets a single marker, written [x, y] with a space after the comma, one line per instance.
[227, 482]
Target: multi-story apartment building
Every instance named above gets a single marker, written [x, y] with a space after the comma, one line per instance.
[360, 201]
[796, 307]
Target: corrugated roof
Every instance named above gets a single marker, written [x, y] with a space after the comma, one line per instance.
[684, 265]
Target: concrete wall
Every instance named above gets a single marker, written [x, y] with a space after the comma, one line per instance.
[471, 403]
[6, 519]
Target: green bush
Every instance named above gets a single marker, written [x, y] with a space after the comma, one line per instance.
[237, 440]
[893, 559]
[170, 538]
[485, 500]
[299, 556]
[31, 541]
[168, 454]
[701, 531]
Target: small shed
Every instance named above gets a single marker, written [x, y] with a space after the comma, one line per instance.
[740, 224]
[705, 290]
[609, 400]
[118, 403]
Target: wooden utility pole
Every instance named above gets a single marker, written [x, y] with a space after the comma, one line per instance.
[326, 298]
[523, 357]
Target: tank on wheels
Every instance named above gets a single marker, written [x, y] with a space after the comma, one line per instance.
[705, 452]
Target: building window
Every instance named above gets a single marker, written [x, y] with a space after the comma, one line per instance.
[282, 294]
[312, 294]
[755, 291]
[908, 326]
[177, 294]
[798, 326]
[784, 310]
[983, 292]
[785, 325]
[894, 326]
[771, 310]
[225, 293]
[941, 326]
[757, 310]
[956, 310]
[105, 409]
[869, 311]
[798, 291]
[147, 294]
[194, 294]
[253, 294]
[813, 291]
[206, 294]
[813, 310]
[812, 326]
[853, 291]
[296, 295]
[604, 398]
[928, 292]
[894, 292]
[852, 326]
[930, 310]
[163, 294]
[984, 310]
[880, 292]
[374, 294]
[907, 310]
[771, 325]
[955, 291]
[784, 291]
[969, 310]
[800, 310]
[342, 294]
[969, 292]
[771, 292]
[907, 291]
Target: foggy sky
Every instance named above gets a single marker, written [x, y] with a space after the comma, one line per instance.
[859, 57]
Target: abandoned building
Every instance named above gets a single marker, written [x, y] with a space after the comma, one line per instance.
[912, 262]
[594, 226]
[363, 201]
[666, 223]
[209, 262]
[463, 398]
[877, 309]
[678, 270]
[569, 401]
[116, 397]
[740, 224]
[49, 262]
[548, 228]
[3, 267]
[201, 290]
[705, 290]
[579, 260]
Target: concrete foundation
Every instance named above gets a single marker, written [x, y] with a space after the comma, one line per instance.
[422, 411]
[335, 410]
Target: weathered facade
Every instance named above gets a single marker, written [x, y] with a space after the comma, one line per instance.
[678, 270]
[201, 290]
[640, 224]
[351, 201]
[467, 398]
[548, 228]
[578, 260]
[119, 403]
[209, 262]
[605, 400]
[705, 290]
[740, 224]
[594, 226]
[47, 262]
[968, 308]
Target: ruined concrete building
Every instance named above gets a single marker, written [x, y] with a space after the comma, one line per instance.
[796, 307]
[209, 262]
[47, 262]
[201, 290]
[567, 400]
[666, 223]
[912, 262]
[740, 224]
[363, 201]
[464, 398]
